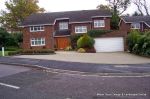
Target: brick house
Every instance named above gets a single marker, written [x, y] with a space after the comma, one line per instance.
[141, 23]
[49, 30]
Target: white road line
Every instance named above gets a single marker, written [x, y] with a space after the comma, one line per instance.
[11, 86]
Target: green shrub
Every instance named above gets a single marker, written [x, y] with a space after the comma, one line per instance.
[97, 33]
[68, 48]
[81, 50]
[37, 51]
[74, 38]
[14, 53]
[85, 42]
[132, 39]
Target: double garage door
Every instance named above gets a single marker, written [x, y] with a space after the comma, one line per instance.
[109, 44]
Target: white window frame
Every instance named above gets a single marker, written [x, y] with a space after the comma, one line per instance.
[80, 29]
[63, 25]
[135, 26]
[37, 41]
[36, 28]
[99, 23]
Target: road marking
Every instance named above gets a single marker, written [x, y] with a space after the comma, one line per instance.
[11, 86]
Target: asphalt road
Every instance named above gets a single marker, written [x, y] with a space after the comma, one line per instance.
[82, 67]
[29, 83]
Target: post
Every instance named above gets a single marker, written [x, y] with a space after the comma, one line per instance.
[3, 52]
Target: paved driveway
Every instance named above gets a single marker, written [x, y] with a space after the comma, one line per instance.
[100, 58]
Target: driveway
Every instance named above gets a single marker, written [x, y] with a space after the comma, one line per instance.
[98, 58]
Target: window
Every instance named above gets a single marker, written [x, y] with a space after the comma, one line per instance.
[36, 28]
[81, 29]
[135, 25]
[63, 25]
[99, 23]
[37, 41]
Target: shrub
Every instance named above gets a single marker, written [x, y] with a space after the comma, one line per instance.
[14, 53]
[139, 43]
[74, 38]
[132, 39]
[85, 42]
[68, 48]
[81, 50]
[37, 51]
[97, 33]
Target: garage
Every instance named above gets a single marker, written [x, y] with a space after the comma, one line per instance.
[109, 44]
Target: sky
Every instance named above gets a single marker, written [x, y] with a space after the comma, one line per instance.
[70, 5]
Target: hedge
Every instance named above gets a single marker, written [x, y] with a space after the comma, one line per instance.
[97, 33]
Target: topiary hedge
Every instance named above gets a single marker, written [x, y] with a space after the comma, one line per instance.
[97, 33]
[74, 38]
[85, 42]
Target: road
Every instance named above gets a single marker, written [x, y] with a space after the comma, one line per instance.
[28, 83]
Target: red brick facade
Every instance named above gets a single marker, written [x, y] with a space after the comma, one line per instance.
[50, 29]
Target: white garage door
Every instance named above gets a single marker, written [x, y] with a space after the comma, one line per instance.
[109, 44]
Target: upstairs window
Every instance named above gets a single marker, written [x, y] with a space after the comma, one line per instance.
[135, 26]
[99, 23]
[36, 28]
[63, 25]
[37, 41]
[81, 29]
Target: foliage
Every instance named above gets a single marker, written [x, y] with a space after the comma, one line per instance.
[97, 33]
[85, 42]
[114, 20]
[119, 5]
[104, 7]
[68, 48]
[74, 38]
[17, 11]
[139, 43]
[37, 51]
[6, 39]
[81, 50]
[132, 39]
[11, 53]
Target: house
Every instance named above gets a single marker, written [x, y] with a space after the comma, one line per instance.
[53, 30]
[141, 23]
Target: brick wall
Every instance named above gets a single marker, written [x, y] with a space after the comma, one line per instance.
[47, 34]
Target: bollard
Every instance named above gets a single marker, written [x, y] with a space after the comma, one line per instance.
[3, 52]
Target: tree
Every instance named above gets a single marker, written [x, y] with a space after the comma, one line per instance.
[17, 11]
[104, 7]
[136, 14]
[142, 5]
[119, 5]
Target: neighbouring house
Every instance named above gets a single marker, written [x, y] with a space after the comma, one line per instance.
[141, 23]
[53, 30]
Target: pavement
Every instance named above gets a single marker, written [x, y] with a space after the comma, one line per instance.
[98, 58]
[40, 84]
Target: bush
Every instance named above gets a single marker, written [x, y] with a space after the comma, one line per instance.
[85, 42]
[14, 53]
[139, 43]
[132, 39]
[97, 33]
[74, 38]
[37, 51]
[81, 50]
[69, 48]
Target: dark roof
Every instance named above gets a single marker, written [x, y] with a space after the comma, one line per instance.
[62, 33]
[74, 16]
[131, 19]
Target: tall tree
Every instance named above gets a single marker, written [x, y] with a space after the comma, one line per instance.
[104, 7]
[119, 5]
[142, 6]
[17, 11]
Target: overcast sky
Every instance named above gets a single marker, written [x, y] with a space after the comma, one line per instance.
[69, 5]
